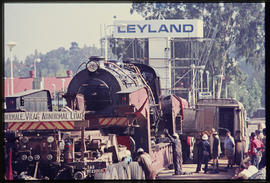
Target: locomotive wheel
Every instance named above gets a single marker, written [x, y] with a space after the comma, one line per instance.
[136, 171]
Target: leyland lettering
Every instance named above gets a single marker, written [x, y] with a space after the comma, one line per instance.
[148, 28]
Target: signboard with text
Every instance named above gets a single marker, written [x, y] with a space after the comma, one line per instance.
[44, 116]
[179, 28]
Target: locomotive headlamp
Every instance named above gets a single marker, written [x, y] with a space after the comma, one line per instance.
[50, 139]
[92, 66]
[24, 139]
[24, 157]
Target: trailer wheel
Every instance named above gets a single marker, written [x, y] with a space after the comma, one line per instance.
[136, 171]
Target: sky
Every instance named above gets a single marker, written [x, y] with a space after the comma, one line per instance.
[47, 26]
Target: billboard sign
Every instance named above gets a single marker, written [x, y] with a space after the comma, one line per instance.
[179, 28]
[44, 116]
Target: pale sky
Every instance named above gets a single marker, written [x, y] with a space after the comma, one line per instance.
[48, 26]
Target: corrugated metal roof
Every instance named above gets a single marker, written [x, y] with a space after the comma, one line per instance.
[25, 84]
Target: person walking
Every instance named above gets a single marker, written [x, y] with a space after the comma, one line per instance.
[177, 153]
[229, 145]
[255, 151]
[215, 151]
[145, 162]
[203, 154]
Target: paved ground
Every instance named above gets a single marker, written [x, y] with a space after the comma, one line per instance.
[223, 174]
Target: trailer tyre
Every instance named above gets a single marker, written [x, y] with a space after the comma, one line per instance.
[136, 171]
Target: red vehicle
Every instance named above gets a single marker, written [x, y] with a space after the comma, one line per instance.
[122, 111]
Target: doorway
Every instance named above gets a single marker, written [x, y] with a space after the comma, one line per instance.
[226, 119]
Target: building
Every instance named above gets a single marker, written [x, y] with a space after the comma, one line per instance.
[53, 84]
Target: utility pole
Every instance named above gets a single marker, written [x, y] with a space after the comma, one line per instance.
[11, 45]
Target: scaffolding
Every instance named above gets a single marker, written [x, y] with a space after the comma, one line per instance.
[188, 60]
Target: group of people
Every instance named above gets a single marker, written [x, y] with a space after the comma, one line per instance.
[253, 166]
[209, 147]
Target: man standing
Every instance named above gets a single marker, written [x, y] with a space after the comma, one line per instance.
[239, 149]
[229, 148]
[145, 162]
[211, 139]
[255, 150]
[215, 151]
[177, 153]
[203, 154]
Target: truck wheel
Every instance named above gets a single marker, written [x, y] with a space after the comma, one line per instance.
[136, 171]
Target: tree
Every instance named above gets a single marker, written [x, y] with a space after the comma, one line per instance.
[237, 28]
[240, 36]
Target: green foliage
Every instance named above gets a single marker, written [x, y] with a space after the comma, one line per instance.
[55, 63]
[240, 36]
[250, 96]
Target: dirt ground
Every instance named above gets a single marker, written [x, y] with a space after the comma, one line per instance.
[224, 174]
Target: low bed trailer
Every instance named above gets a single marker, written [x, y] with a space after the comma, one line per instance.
[75, 145]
